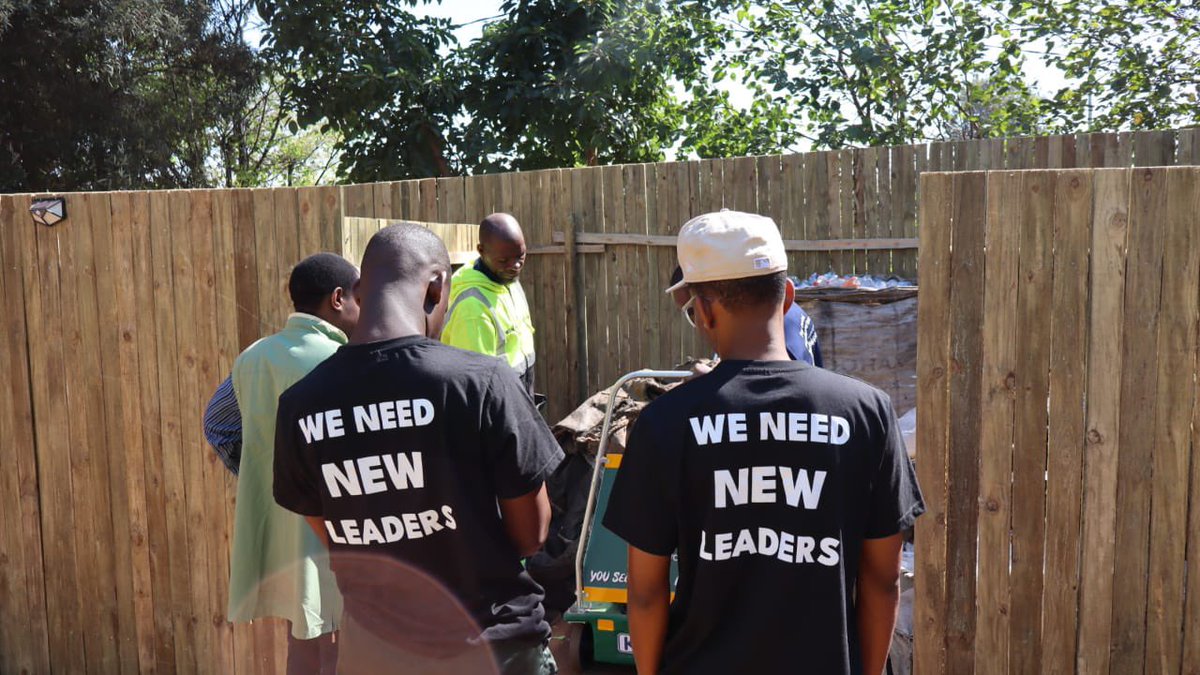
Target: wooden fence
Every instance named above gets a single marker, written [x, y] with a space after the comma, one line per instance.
[1059, 422]
[114, 514]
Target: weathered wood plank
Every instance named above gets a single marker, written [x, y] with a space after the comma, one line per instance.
[997, 396]
[933, 431]
[24, 637]
[966, 320]
[1068, 352]
[1178, 316]
[1105, 353]
[1029, 452]
[1139, 385]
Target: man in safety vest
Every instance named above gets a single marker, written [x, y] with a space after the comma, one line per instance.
[488, 313]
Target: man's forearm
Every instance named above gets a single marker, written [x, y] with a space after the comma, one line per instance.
[317, 523]
[877, 607]
[648, 631]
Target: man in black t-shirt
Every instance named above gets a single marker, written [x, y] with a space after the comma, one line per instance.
[783, 487]
[422, 466]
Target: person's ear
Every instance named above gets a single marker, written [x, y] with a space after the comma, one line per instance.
[338, 299]
[705, 318]
[436, 290]
[479, 250]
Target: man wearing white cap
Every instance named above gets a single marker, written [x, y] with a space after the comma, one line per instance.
[783, 488]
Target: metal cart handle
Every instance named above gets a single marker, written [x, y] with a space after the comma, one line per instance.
[602, 460]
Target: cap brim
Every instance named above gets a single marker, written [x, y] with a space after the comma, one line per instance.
[676, 287]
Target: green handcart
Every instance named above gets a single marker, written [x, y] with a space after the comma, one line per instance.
[599, 628]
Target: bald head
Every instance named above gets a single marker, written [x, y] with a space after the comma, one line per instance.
[403, 252]
[404, 284]
[502, 246]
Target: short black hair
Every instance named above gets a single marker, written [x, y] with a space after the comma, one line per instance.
[768, 289]
[316, 277]
[402, 252]
[676, 276]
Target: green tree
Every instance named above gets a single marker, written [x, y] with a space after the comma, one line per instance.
[868, 72]
[576, 82]
[1129, 64]
[374, 74]
[108, 94]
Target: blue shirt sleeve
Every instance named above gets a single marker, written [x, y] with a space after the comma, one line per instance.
[223, 425]
[800, 336]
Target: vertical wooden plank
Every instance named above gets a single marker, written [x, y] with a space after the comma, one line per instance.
[89, 456]
[1153, 148]
[382, 200]
[1139, 384]
[1188, 147]
[902, 211]
[966, 321]
[450, 193]
[818, 206]
[1108, 244]
[329, 217]
[576, 331]
[655, 267]
[146, 289]
[859, 207]
[359, 200]
[1036, 202]
[191, 211]
[844, 213]
[741, 184]
[787, 208]
[933, 432]
[999, 383]
[225, 351]
[267, 272]
[24, 639]
[1072, 233]
[427, 212]
[115, 337]
[590, 218]
[308, 207]
[48, 373]
[1191, 611]
[287, 246]
[680, 185]
[633, 178]
[1178, 315]
[166, 209]
[616, 346]
[882, 228]
[245, 263]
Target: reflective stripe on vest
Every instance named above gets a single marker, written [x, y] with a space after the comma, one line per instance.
[501, 339]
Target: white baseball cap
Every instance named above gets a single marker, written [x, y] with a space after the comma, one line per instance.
[728, 245]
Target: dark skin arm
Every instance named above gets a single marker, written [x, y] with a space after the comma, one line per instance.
[317, 523]
[527, 520]
[878, 600]
[649, 599]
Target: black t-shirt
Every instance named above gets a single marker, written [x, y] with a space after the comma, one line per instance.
[766, 476]
[403, 447]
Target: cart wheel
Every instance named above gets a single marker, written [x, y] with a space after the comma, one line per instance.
[571, 649]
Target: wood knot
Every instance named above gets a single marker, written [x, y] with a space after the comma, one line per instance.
[1010, 382]
[938, 372]
[1094, 437]
[127, 336]
[991, 505]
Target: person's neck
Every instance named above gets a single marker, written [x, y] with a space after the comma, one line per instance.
[387, 319]
[755, 343]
